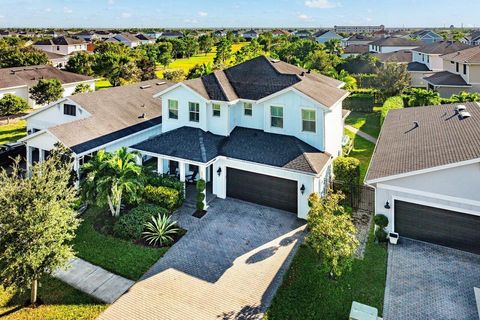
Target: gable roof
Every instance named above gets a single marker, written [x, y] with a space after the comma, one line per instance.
[470, 55]
[396, 42]
[115, 113]
[60, 41]
[401, 56]
[261, 77]
[243, 144]
[446, 78]
[128, 36]
[29, 76]
[442, 47]
[424, 33]
[356, 48]
[417, 66]
[360, 37]
[440, 138]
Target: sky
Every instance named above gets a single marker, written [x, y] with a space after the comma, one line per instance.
[236, 13]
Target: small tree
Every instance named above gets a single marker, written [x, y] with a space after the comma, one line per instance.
[81, 88]
[417, 97]
[200, 194]
[46, 91]
[381, 221]
[392, 79]
[174, 75]
[347, 170]
[11, 104]
[331, 233]
[37, 221]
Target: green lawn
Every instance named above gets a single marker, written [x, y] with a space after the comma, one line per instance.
[118, 256]
[362, 150]
[102, 84]
[13, 132]
[308, 293]
[366, 122]
[61, 302]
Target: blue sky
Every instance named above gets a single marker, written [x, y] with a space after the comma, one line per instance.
[236, 13]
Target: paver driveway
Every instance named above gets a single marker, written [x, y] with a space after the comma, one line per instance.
[426, 281]
[227, 266]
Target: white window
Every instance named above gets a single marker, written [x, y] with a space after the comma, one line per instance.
[308, 120]
[276, 116]
[216, 110]
[194, 111]
[172, 109]
[247, 108]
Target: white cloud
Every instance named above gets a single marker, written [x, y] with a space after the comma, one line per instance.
[202, 13]
[110, 2]
[48, 10]
[126, 14]
[2, 17]
[67, 10]
[320, 4]
[303, 16]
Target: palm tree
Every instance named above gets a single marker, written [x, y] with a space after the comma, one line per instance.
[422, 97]
[334, 46]
[110, 177]
[465, 97]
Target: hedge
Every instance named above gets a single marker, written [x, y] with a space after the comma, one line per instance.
[365, 80]
[363, 102]
[165, 197]
[169, 182]
[130, 225]
[390, 104]
[347, 170]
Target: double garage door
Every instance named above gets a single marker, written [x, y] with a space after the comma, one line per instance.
[262, 189]
[444, 227]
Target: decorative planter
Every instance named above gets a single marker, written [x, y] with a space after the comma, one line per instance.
[393, 237]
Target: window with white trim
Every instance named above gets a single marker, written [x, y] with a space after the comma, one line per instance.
[69, 109]
[216, 109]
[247, 108]
[309, 120]
[194, 111]
[276, 116]
[172, 109]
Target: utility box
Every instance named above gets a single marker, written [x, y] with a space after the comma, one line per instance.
[362, 312]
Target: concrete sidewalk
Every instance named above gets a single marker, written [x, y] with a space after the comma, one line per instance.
[93, 280]
[361, 134]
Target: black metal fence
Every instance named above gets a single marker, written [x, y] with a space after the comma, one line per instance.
[359, 197]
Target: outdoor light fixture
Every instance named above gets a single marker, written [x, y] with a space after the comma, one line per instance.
[302, 189]
[219, 171]
[387, 205]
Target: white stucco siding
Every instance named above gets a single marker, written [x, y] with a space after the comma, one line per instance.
[452, 189]
[62, 49]
[239, 119]
[292, 104]
[385, 49]
[22, 92]
[44, 141]
[334, 130]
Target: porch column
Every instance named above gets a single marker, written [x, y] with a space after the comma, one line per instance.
[139, 159]
[41, 155]
[76, 168]
[181, 172]
[203, 175]
[159, 165]
[29, 159]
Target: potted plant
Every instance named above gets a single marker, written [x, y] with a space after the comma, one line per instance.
[393, 237]
[200, 198]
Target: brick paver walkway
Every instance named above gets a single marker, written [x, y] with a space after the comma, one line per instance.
[227, 266]
[426, 281]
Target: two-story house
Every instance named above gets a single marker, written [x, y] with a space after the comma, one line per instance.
[128, 39]
[61, 45]
[427, 36]
[263, 131]
[391, 44]
[323, 36]
[427, 60]
[461, 72]
[250, 34]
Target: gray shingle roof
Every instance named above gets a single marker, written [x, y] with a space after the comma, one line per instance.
[244, 144]
[417, 66]
[470, 55]
[60, 41]
[446, 78]
[396, 42]
[441, 138]
[443, 47]
[401, 56]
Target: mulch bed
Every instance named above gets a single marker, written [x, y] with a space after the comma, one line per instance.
[199, 213]
[362, 221]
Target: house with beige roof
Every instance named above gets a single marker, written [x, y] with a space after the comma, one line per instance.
[61, 45]
[392, 44]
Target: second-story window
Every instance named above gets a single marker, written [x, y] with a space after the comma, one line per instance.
[194, 111]
[69, 109]
[308, 120]
[457, 67]
[276, 116]
[172, 109]
[464, 69]
[216, 110]
[247, 108]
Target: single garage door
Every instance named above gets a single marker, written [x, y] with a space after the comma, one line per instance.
[444, 227]
[262, 189]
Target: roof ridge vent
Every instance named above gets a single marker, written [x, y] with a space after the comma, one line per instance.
[463, 114]
[146, 86]
[459, 108]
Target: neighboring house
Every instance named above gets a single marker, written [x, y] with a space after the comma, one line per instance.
[144, 39]
[473, 38]
[427, 36]
[280, 32]
[250, 34]
[19, 80]
[153, 34]
[61, 45]
[427, 59]
[104, 34]
[358, 29]
[86, 35]
[425, 171]
[386, 45]
[263, 124]
[172, 34]
[399, 57]
[461, 72]
[303, 34]
[354, 50]
[358, 39]
[127, 39]
[219, 33]
[85, 123]
[323, 36]
[57, 60]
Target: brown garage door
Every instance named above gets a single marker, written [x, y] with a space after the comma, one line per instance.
[262, 189]
[448, 228]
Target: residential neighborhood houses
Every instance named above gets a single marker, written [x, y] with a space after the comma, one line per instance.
[238, 171]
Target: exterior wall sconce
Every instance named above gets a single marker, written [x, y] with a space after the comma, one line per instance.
[387, 205]
[219, 171]
[302, 189]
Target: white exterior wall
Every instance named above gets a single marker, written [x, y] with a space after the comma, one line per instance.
[385, 49]
[334, 130]
[62, 49]
[432, 61]
[452, 189]
[239, 119]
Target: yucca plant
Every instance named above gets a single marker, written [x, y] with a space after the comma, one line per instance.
[160, 230]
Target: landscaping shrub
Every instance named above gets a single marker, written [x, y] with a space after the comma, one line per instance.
[365, 80]
[169, 182]
[363, 102]
[390, 104]
[347, 170]
[381, 235]
[165, 197]
[200, 194]
[381, 220]
[130, 225]
[160, 230]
